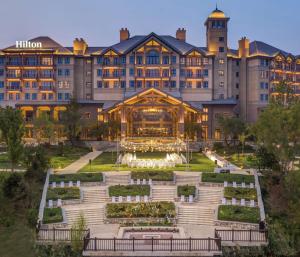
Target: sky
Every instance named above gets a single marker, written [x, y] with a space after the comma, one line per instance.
[276, 22]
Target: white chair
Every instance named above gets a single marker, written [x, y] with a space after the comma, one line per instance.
[234, 184]
[146, 198]
[131, 181]
[243, 185]
[62, 184]
[50, 203]
[59, 203]
[70, 183]
[53, 184]
[233, 201]
[191, 198]
[120, 200]
[128, 198]
[78, 183]
[182, 198]
[243, 202]
[137, 198]
[252, 203]
[144, 182]
[138, 181]
[251, 185]
[150, 181]
[224, 201]
[113, 199]
[225, 184]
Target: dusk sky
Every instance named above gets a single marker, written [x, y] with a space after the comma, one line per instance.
[98, 21]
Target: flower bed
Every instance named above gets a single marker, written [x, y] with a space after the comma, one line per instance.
[129, 190]
[221, 177]
[154, 175]
[238, 213]
[141, 210]
[186, 190]
[240, 193]
[52, 215]
[83, 177]
[63, 193]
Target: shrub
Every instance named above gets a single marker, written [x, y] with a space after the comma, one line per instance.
[64, 193]
[221, 177]
[238, 213]
[141, 210]
[154, 175]
[186, 190]
[132, 190]
[240, 193]
[83, 177]
[52, 215]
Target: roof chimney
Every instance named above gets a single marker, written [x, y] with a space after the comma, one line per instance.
[79, 46]
[244, 45]
[181, 34]
[124, 34]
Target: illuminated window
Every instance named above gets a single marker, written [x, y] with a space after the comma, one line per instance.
[221, 73]
[205, 110]
[204, 117]
[217, 134]
[221, 61]
[221, 84]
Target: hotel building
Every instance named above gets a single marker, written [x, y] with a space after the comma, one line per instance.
[152, 84]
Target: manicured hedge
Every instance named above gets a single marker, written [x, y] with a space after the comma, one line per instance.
[221, 177]
[186, 190]
[238, 213]
[64, 193]
[83, 177]
[52, 215]
[141, 210]
[154, 175]
[240, 193]
[132, 190]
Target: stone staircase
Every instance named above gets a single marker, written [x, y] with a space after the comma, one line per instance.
[163, 193]
[95, 195]
[209, 196]
[94, 215]
[117, 178]
[193, 214]
[187, 178]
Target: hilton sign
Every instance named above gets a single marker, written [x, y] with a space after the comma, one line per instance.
[28, 44]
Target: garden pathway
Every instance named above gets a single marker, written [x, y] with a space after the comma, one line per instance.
[80, 163]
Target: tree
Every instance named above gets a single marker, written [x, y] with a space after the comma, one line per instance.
[44, 127]
[265, 160]
[78, 232]
[232, 127]
[114, 128]
[12, 127]
[192, 129]
[101, 130]
[71, 119]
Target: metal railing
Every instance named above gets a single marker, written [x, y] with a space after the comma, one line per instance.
[249, 235]
[152, 244]
[62, 235]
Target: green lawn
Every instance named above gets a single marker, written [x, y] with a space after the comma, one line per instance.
[238, 213]
[221, 177]
[126, 190]
[240, 193]
[106, 162]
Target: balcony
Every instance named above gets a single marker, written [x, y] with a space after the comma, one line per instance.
[194, 76]
[29, 76]
[111, 76]
[47, 88]
[14, 88]
[13, 76]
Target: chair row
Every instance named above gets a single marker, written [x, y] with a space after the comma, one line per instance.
[241, 202]
[234, 184]
[63, 184]
[141, 182]
[121, 199]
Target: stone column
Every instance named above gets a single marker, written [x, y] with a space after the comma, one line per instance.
[180, 132]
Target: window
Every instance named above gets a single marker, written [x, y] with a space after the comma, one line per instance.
[67, 96]
[221, 61]
[67, 60]
[59, 60]
[106, 61]
[18, 96]
[173, 72]
[217, 134]
[264, 62]
[99, 60]
[139, 60]
[123, 72]
[1, 84]
[182, 84]
[237, 74]
[99, 84]
[116, 60]
[123, 59]
[165, 59]
[221, 84]
[165, 73]
[153, 57]
[1, 60]
[237, 85]
[1, 72]
[11, 96]
[59, 72]
[205, 73]
[50, 96]
[237, 97]
[173, 83]
[264, 74]
[1, 96]
[139, 84]
[221, 73]
[131, 72]
[140, 72]
[216, 24]
[131, 83]
[221, 39]
[205, 84]
[34, 84]
[33, 96]
[237, 63]
[173, 59]
[131, 59]
[264, 85]
[27, 96]
[166, 84]
[123, 84]
[44, 96]
[264, 97]
[198, 85]
[99, 72]
[221, 49]
[221, 96]
[204, 117]
[59, 96]
[67, 72]
[26, 84]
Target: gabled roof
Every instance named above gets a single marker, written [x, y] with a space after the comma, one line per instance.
[47, 44]
[264, 49]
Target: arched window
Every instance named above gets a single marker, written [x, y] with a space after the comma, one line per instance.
[153, 57]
